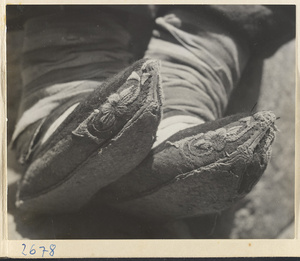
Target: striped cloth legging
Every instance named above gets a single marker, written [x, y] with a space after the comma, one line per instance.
[67, 57]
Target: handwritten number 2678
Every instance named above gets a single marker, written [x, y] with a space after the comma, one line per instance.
[32, 250]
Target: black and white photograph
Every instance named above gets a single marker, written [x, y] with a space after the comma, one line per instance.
[169, 121]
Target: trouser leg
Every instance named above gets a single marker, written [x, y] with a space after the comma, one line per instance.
[201, 65]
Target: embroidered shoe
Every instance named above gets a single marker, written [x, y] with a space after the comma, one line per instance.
[105, 137]
[200, 170]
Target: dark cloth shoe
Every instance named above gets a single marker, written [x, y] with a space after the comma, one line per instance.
[200, 170]
[105, 137]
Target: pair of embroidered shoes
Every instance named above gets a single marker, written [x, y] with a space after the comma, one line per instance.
[103, 150]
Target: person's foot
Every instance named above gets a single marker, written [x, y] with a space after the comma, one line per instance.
[200, 170]
[106, 136]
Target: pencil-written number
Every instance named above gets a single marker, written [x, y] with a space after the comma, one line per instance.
[38, 250]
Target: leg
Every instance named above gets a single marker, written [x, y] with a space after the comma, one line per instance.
[196, 168]
[72, 123]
